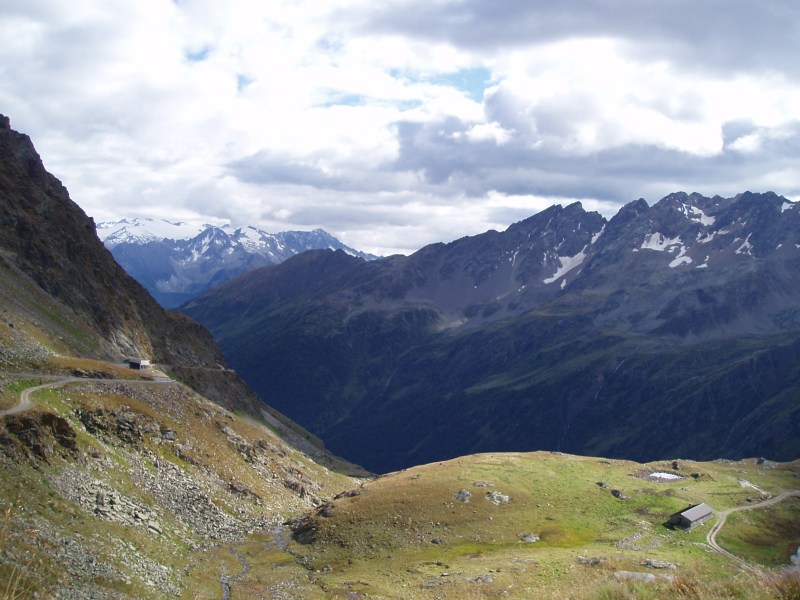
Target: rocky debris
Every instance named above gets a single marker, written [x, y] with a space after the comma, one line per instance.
[76, 556]
[304, 529]
[102, 500]
[188, 498]
[637, 542]
[497, 498]
[234, 438]
[260, 453]
[183, 451]
[242, 490]
[618, 494]
[482, 484]
[590, 560]
[528, 538]
[90, 374]
[634, 576]
[463, 495]
[127, 425]
[17, 347]
[654, 563]
[38, 435]
[297, 481]
[348, 494]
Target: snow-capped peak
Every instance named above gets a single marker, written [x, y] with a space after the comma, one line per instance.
[143, 230]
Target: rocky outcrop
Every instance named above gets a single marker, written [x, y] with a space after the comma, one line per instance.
[38, 435]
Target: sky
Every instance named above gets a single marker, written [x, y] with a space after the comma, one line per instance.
[400, 123]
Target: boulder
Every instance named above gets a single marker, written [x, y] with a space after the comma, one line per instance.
[463, 495]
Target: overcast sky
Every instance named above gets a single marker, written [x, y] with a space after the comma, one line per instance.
[394, 124]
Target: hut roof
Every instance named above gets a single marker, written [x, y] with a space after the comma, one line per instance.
[697, 512]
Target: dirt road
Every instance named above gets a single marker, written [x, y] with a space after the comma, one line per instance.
[25, 403]
[722, 515]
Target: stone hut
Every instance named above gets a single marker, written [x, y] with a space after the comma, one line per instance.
[691, 516]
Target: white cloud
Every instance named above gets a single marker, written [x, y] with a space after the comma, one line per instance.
[403, 123]
[483, 132]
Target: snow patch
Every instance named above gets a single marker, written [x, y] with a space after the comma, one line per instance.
[567, 263]
[597, 235]
[670, 476]
[704, 239]
[746, 247]
[788, 206]
[681, 258]
[746, 484]
[657, 241]
[695, 214]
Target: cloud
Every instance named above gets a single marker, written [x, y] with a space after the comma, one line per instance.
[397, 124]
[730, 35]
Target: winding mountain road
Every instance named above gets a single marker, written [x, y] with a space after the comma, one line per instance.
[25, 403]
[722, 515]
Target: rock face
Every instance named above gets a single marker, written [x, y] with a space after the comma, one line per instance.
[674, 325]
[48, 240]
[40, 435]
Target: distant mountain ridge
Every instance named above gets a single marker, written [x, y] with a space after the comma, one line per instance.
[671, 329]
[177, 261]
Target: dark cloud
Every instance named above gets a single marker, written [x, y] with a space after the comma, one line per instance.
[265, 168]
[441, 151]
[731, 35]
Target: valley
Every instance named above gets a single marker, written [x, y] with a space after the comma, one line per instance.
[178, 481]
[656, 333]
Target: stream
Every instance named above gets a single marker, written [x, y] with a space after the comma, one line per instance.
[279, 541]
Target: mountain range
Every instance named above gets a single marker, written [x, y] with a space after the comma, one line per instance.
[671, 329]
[176, 481]
[177, 261]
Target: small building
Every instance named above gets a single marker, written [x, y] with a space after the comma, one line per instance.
[691, 516]
[139, 363]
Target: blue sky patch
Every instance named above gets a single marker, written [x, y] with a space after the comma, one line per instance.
[198, 55]
[472, 82]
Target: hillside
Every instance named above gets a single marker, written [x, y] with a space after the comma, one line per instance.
[551, 525]
[115, 480]
[669, 329]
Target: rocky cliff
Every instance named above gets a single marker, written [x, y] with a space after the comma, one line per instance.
[46, 238]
